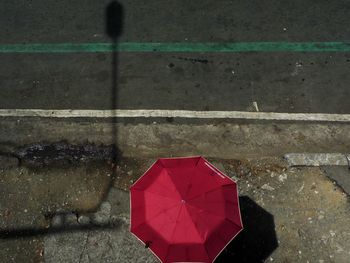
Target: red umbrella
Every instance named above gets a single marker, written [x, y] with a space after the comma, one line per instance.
[185, 210]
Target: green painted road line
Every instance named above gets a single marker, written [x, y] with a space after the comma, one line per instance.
[178, 47]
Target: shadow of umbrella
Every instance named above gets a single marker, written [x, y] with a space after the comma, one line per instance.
[258, 239]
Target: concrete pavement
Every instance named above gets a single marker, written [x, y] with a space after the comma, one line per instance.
[289, 214]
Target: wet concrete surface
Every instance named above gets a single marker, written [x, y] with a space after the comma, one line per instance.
[75, 214]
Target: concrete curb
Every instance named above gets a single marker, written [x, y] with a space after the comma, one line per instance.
[317, 159]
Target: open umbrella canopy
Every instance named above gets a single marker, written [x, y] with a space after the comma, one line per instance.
[185, 210]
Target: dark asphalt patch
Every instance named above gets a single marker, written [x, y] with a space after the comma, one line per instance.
[340, 174]
[62, 153]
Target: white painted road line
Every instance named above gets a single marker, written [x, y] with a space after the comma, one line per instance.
[315, 117]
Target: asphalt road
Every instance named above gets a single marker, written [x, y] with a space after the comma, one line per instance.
[172, 21]
[277, 81]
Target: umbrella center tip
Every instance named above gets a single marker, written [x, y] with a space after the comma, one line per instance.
[183, 201]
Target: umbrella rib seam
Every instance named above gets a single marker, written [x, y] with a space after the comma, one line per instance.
[204, 240]
[199, 234]
[211, 190]
[155, 193]
[148, 221]
[225, 218]
[172, 235]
